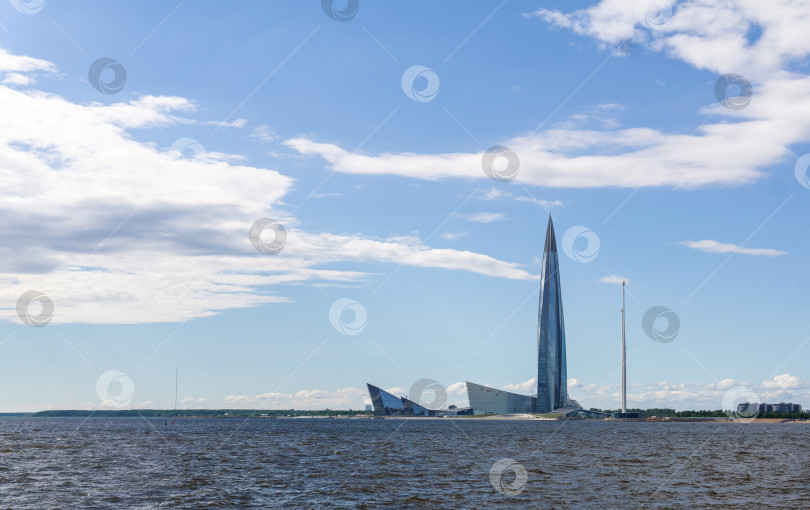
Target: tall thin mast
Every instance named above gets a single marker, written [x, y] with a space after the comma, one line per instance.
[624, 360]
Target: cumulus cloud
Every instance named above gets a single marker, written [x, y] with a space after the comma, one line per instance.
[457, 388]
[784, 382]
[710, 246]
[707, 34]
[115, 230]
[530, 385]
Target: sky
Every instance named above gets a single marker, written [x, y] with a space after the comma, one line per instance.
[275, 203]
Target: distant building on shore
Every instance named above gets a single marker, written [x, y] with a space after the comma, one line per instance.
[751, 408]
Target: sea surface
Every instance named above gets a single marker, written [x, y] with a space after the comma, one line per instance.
[337, 463]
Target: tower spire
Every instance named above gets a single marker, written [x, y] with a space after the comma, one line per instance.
[552, 390]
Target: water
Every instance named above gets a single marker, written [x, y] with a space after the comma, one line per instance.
[319, 463]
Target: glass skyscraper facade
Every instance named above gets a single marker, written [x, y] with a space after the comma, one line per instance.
[552, 373]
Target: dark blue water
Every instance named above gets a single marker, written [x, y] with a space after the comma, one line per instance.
[318, 463]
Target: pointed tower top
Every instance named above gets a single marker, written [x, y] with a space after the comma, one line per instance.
[551, 241]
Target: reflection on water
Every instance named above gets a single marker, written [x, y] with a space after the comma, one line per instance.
[264, 463]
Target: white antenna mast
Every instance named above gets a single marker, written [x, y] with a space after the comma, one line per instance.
[624, 360]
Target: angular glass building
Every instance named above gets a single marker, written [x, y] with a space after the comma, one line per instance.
[384, 402]
[494, 401]
[414, 409]
[552, 373]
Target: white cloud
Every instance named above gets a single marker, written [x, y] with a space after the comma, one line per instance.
[530, 385]
[118, 231]
[452, 236]
[263, 134]
[495, 193]
[21, 63]
[707, 34]
[17, 79]
[692, 396]
[457, 388]
[710, 246]
[545, 204]
[613, 279]
[785, 382]
[484, 217]
[397, 391]
[732, 147]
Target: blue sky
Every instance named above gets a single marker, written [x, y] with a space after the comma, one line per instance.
[130, 210]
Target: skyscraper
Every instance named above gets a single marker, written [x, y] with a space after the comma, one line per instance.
[552, 371]
[552, 374]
